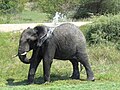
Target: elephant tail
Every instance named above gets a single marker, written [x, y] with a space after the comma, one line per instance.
[81, 67]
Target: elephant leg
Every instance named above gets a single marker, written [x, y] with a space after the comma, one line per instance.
[46, 69]
[47, 61]
[75, 74]
[83, 58]
[32, 70]
[33, 67]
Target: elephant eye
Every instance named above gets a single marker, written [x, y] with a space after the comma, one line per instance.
[28, 40]
[34, 35]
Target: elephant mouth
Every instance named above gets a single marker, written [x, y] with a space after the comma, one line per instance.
[25, 57]
[25, 53]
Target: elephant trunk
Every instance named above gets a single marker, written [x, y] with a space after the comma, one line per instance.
[22, 56]
[24, 59]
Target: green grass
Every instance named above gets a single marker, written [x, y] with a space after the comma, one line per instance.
[25, 17]
[68, 85]
[13, 73]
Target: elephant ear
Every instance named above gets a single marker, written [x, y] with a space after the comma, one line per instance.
[42, 32]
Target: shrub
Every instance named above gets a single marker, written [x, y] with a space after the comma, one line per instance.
[110, 6]
[88, 8]
[52, 6]
[103, 30]
[11, 6]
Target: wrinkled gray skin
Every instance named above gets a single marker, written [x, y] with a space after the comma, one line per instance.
[66, 43]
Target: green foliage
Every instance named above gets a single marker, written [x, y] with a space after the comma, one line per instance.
[104, 29]
[11, 6]
[89, 8]
[7, 6]
[110, 6]
[52, 6]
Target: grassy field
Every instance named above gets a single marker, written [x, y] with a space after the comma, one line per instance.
[25, 17]
[105, 61]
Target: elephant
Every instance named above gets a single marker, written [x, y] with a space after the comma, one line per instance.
[64, 42]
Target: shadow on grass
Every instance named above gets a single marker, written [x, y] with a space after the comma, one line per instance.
[11, 82]
[39, 80]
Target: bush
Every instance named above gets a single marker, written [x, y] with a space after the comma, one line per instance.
[105, 29]
[52, 6]
[11, 6]
[110, 6]
[88, 8]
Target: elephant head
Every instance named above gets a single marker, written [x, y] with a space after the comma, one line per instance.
[30, 39]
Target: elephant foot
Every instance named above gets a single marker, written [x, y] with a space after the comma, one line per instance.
[30, 82]
[91, 79]
[75, 77]
[47, 82]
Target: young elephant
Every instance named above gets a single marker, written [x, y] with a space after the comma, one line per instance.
[66, 42]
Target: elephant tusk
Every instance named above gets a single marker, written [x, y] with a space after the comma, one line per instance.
[23, 53]
[15, 56]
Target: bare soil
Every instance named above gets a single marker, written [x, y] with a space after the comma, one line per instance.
[21, 27]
